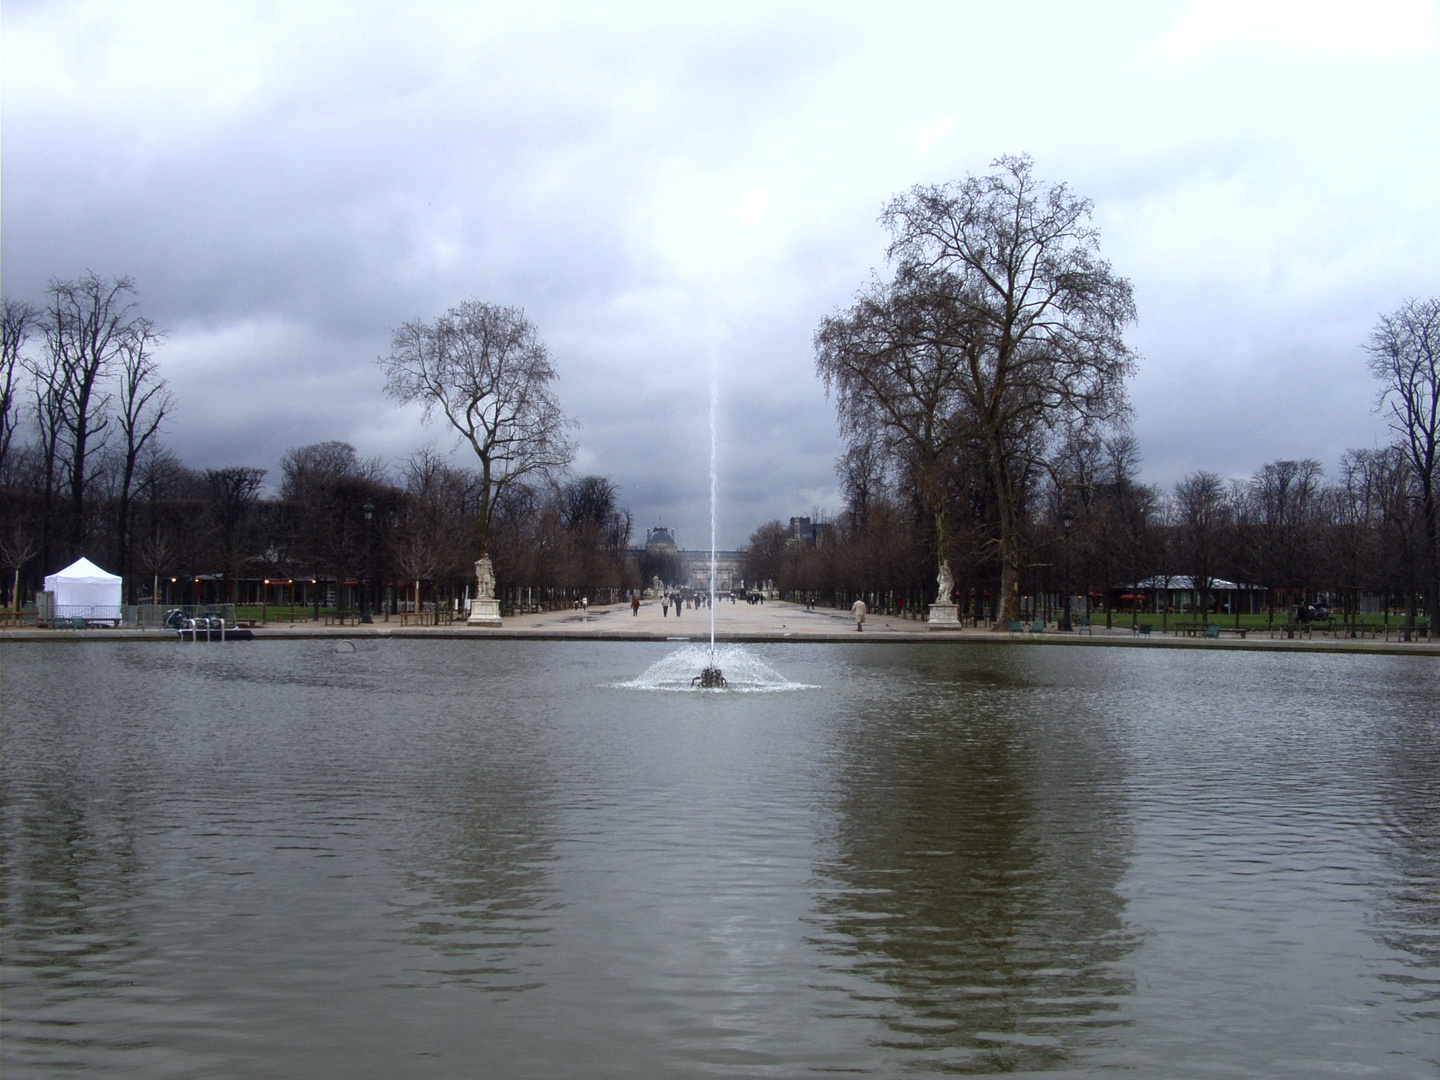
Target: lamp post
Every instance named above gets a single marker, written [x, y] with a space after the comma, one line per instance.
[1066, 519]
[369, 564]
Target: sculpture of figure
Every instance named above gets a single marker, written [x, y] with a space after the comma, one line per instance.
[946, 585]
[484, 578]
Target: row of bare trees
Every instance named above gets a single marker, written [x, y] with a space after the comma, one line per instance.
[92, 399]
[1093, 531]
[83, 470]
[338, 518]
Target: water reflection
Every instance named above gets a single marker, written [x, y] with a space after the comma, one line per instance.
[477, 887]
[1408, 921]
[445, 859]
[980, 840]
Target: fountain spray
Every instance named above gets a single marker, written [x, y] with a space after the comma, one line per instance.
[711, 677]
[714, 472]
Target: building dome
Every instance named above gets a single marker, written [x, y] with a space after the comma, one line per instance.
[659, 538]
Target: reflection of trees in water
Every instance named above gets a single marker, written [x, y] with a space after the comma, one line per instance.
[1409, 922]
[479, 893]
[68, 894]
[68, 886]
[979, 846]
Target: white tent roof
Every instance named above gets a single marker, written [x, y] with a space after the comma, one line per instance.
[81, 572]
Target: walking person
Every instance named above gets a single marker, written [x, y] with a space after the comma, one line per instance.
[635, 604]
[858, 610]
[665, 605]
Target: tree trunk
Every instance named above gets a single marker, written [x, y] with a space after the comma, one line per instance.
[1010, 560]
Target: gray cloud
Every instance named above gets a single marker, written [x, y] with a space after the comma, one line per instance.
[671, 193]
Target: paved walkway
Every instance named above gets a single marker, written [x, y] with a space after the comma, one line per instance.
[771, 621]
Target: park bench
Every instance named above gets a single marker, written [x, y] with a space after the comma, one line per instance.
[1359, 629]
[1038, 626]
[1404, 633]
[1016, 627]
[1082, 626]
[1143, 629]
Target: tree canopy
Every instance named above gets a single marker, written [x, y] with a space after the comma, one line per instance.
[484, 369]
[1404, 353]
[999, 324]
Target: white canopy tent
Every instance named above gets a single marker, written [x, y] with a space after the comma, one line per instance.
[83, 591]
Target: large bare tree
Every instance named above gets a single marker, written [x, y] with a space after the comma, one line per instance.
[1001, 301]
[484, 369]
[20, 320]
[143, 403]
[1404, 353]
[91, 325]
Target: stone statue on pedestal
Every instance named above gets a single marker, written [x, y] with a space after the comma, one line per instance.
[944, 614]
[484, 609]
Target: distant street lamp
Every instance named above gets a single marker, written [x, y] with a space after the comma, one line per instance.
[369, 564]
[1066, 519]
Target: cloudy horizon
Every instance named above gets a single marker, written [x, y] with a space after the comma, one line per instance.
[679, 195]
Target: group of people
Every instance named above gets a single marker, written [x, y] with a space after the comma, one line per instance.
[682, 601]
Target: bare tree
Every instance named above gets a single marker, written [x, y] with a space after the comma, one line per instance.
[432, 542]
[48, 409]
[326, 486]
[897, 391]
[1404, 353]
[143, 402]
[18, 545]
[88, 322]
[233, 493]
[1202, 518]
[1283, 501]
[485, 370]
[764, 557]
[1001, 296]
[19, 322]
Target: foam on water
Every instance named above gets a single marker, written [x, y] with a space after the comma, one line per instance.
[744, 672]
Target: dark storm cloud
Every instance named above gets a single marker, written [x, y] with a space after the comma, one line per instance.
[670, 193]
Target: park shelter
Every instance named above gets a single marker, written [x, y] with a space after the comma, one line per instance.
[84, 591]
[1181, 593]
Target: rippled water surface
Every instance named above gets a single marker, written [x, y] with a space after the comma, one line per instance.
[500, 859]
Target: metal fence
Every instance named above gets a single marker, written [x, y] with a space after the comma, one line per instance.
[127, 616]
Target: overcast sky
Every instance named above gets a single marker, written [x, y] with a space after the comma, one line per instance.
[670, 190]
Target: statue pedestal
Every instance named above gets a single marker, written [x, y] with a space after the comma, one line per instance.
[484, 613]
[943, 617]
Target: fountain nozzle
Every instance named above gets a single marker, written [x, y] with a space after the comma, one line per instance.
[710, 678]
